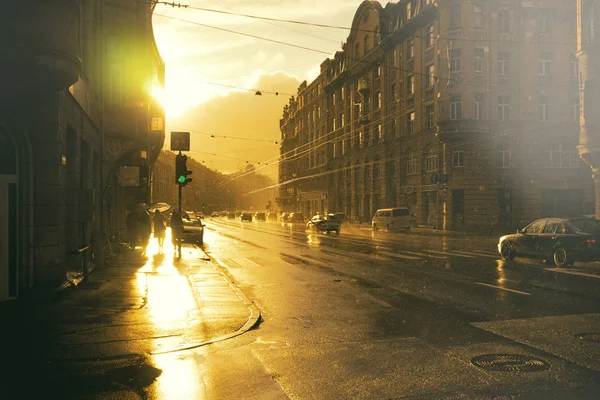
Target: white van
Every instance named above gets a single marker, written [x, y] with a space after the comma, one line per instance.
[392, 219]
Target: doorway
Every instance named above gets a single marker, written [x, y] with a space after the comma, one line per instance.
[9, 248]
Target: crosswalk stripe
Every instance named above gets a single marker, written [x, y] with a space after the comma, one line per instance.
[503, 288]
[449, 254]
[389, 253]
[488, 253]
[423, 254]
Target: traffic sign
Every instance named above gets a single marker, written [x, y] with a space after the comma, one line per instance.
[180, 141]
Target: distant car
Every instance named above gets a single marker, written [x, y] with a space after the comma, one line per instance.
[272, 216]
[260, 216]
[215, 214]
[284, 217]
[393, 219]
[296, 217]
[231, 215]
[199, 214]
[560, 240]
[246, 216]
[324, 224]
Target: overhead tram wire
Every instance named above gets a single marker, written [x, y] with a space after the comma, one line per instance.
[318, 25]
[218, 136]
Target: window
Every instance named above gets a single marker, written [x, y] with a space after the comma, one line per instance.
[504, 21]
[478, 16]
[410, 123]
[503, 64]
[544, 24]
[431, 161]
[535, 227]
[544, 64]
[560, 158]
[378, 99]
[343, 95]
[366, 49]
[455, 16]
[410, 85]
[479, 98]
[361, 138]
[573, 66]
[430, 72]
[333, 123]
[544, 103]
[408, 14]
[503, 108]
[344, 147]
[393, 128]
[356, 50]
[410, 48]
[456, 106]
[393, 91]
[458, 159]
[411, 164]
[430, 36]
[478, 60]
[378, 133]
[430, 114]
[504, 156]
[342, 120]
[574, 111]
[455, 64]
[394, 58]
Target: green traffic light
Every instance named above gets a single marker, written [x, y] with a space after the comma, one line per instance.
[181, 179]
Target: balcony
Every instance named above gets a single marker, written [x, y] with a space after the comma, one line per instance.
[39, 45]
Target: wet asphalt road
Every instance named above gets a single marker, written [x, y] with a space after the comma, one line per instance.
[357, 315]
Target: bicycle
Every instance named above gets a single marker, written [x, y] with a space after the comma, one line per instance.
[112, 251]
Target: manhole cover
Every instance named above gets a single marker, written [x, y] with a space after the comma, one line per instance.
[589, 336]
[510, 362]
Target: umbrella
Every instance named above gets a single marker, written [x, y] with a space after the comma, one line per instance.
[162, 207]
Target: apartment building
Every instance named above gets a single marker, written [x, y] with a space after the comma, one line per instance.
[467, 113]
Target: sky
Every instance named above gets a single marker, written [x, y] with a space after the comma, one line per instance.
[199, 59]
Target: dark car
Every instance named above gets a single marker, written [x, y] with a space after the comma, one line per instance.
[284, 217]
[561, 240]
[296, 217]
[193, 229]
[272, 216]
[231, 215]
[324, 224]
[246, 216]
[339, 217]
[260, 216]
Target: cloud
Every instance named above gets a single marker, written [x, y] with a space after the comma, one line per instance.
[239, 114]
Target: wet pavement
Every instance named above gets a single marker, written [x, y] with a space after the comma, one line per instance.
[362, 315]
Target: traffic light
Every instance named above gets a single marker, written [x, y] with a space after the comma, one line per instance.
[181, 171]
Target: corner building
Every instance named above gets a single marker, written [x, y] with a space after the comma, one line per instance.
[467, 113]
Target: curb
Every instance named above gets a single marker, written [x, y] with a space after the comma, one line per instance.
[253, 319]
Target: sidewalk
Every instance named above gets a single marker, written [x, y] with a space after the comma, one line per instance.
[103, 334]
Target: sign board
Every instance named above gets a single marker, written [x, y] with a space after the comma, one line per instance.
[129, 176]
[180, 141]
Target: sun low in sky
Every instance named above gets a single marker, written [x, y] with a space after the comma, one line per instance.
[212, 73]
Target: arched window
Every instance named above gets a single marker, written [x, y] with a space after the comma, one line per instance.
[357, 50]
[377, 36]
[366, 43]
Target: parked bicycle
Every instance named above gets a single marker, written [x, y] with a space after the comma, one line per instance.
[113, 250]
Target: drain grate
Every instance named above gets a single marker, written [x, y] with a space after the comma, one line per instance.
[589, 336]
[510, 362]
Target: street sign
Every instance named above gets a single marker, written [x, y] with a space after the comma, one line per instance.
[180, 141]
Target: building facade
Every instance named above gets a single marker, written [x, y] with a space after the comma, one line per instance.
[467, 113]
[65, 130]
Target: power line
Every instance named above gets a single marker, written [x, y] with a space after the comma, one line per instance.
[219, 136]
[257, 91]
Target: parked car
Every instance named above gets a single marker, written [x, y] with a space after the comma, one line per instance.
[559, 240]
[199, 214]
[246, 216]
[296, 217]
[326, 224]
[214, 214]
[193, 229]
[284, 217]
[231, 215]
[393, 219]
[272, 216]
[260, 216]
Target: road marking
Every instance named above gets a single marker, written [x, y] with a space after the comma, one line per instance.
[251, 259]
[389, 253]
[449, 254]
[485, 253]
[502, 288]
[570, 272]
[424, 255]
[476, 254]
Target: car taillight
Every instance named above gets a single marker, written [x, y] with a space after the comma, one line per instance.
[590, 241]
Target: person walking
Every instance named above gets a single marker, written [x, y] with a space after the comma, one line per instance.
[145, 229]
[160, 229]
[176, 230]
